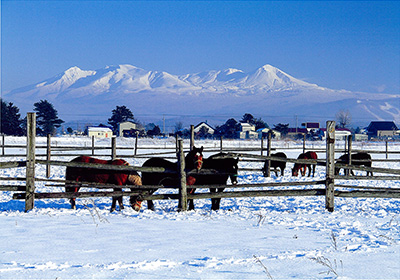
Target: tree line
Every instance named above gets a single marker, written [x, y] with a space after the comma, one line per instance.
[48, 122]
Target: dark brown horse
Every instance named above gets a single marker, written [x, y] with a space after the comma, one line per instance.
[193, 161]
[276, 164]
[360, 159]
[96, 175]
[303, 167]
[225, 167]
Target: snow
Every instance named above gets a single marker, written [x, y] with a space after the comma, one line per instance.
[249, 238]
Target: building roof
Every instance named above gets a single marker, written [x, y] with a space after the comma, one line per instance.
[97, 128]
[381, 125]
[297, 130]
[204, 123]
[311, 124]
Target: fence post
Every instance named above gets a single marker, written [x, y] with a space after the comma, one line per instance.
[268, 165]
[48, 155]
[304, 143]
[330, 166]
[30, 161]
[136, 142]
[349, 151]
[387, 150]
[262, 145]
[182, 176]
[113, 147]
[191, 137]
[220, 144]
[3, 144]
[92, 145]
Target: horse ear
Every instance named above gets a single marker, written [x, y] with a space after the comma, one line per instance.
[201, 149]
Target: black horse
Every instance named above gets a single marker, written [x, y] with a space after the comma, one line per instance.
[276, 164]
[360, 159]
[224, 167]
[193, 160]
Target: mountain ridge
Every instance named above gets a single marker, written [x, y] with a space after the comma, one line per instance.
[265, 91]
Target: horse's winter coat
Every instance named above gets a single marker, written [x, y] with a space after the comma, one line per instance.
[94, 175]
[360, 159]
[276, 164]
[303, 167]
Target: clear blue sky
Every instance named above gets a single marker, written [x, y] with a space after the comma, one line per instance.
[339, 44]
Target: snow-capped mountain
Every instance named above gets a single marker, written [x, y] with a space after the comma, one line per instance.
[266, 92]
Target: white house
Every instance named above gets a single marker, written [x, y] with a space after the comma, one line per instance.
[198, 127]
[247, 131]
[264, 131]
[100, 132]
[125, 126]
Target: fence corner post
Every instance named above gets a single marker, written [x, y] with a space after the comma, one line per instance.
[191, 137]
[330, 166]
[48, 156]
[113, 147]
[268, 162]
[183, 203]
[30, 161]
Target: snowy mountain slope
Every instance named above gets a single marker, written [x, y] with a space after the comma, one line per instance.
[266, 91]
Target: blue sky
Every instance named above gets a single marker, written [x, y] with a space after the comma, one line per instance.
[339, 44]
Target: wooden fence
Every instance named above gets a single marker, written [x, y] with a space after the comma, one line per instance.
[330, 189]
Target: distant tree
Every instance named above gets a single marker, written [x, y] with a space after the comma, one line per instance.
[248, 118]
[178, 127]
[259, 123]
[11, 122]
[155, 131]
[282, 128]
[46, 118]
[69, 130]
[343, 118]
[120, 114]
[227, 130]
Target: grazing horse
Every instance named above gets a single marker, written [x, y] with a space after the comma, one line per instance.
[225, 167]
[360, 159]
[193, 160]
[303, 167]
[105, 176]
[276, 164]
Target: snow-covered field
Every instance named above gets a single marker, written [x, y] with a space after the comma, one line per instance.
[249, 238]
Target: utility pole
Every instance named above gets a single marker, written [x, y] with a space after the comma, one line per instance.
[164, 125]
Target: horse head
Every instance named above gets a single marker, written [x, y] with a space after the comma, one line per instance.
[194, 159]
[234, 171]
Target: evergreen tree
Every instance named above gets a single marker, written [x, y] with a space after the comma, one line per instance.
[227, 130]
[154, 131]
[11, 122]
[120, 114]
[282, 128]
[46, 118]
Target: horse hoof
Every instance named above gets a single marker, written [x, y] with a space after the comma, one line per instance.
[73, 207]
[112, 210]
[137, 206]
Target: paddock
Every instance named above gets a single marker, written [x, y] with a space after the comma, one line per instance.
[329, 186]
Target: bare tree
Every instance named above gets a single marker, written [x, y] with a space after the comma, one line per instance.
[343, 118]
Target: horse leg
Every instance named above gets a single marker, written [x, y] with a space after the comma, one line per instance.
[217, 202]
[72, 200]
[213, 200]
[113, 204]
[313, 170]
[120, 202]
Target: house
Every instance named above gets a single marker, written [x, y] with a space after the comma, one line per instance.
[126, 126]
[204, 127]
[311, 126]
[340, 133]
[247, 131]
[100, 132]
[263, 132]
[294, 132]
[382, 129]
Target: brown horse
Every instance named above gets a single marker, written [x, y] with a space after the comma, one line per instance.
[105, 176]
[303, 167]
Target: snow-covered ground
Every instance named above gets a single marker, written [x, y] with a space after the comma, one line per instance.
[249, 238]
